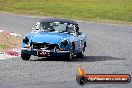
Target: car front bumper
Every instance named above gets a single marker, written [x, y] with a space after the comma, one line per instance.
[44, 53]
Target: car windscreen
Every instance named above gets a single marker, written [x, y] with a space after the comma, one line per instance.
[56, 26]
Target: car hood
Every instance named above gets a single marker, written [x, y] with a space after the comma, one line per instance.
[49, 37]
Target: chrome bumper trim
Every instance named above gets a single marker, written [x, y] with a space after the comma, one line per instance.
[29, 49]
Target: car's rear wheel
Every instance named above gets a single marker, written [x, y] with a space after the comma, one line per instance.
[25, 56]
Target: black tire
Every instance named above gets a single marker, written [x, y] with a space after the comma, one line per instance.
[81, 54]
[25, 56]
[70, 55]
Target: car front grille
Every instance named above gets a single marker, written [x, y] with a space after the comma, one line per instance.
[46, 46]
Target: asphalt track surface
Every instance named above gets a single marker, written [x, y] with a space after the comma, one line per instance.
[109, 51]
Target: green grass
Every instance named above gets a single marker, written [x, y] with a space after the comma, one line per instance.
[118, 10]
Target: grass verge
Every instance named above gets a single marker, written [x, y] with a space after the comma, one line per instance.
[9, 42]
[117, 10]
[3, 46]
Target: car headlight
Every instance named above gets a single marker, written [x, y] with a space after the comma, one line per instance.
[65, 42]
[25, 40]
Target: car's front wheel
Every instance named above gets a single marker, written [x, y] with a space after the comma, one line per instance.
[81, 54]
[71, 54]
[25, 56]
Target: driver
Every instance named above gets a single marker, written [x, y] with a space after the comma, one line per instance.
[51, 28]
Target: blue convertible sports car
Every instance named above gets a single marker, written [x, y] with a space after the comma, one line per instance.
[53, 37]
